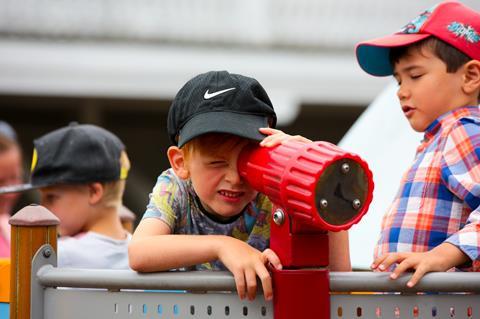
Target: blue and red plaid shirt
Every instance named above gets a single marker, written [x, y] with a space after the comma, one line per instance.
[439, 196]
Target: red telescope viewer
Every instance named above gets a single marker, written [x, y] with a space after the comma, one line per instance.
[315, 188]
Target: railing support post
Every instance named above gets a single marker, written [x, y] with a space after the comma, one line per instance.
[32, 227]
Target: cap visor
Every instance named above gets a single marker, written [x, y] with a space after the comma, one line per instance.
[374, 55]
[17, 188]
[243, 125]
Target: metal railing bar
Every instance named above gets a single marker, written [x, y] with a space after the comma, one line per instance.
[193, 281]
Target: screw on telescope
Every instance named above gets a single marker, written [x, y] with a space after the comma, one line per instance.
[324, 203]
[345, 168]
[278, 217]
[356, 203]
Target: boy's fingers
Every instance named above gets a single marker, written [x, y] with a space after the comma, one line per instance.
[240, 284]
[378, 261]
[251, 278]
[400, 269]
[266, 280]
[269, 130]
[389, 260]
[272, 258]
[299, 138]
[417, 275]
[273, 140]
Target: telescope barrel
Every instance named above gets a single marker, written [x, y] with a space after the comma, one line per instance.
[318, 184]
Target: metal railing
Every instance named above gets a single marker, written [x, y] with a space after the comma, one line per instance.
[211, 294]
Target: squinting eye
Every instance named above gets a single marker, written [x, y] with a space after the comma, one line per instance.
[216, 163]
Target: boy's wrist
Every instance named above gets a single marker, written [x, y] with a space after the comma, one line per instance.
[449, 256]
[219, 243]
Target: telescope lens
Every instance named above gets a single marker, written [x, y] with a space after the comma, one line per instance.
[341, 192]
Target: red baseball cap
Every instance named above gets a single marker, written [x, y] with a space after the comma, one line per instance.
[450, 21]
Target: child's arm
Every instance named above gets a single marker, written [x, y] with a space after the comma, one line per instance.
[276, 137]
[441, 258]
[154, 248]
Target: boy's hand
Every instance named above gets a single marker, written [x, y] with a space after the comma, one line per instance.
[277, 137]
[246, 263]
[441, 258]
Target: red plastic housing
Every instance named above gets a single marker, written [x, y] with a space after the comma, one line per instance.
[289, 173]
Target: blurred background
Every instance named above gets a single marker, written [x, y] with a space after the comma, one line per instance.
[119, 63]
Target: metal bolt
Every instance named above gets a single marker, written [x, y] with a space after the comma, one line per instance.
[278, 217]
[47, 252]
[323, 203]
[345, 168]
[356, 203]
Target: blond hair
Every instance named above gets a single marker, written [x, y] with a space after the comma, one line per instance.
[113, 191]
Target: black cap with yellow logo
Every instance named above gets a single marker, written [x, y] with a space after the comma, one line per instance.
[76, 154]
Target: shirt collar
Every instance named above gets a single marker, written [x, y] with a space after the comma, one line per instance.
[448, 118]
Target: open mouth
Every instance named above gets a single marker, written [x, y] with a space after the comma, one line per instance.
[408, 110]
[230, 194]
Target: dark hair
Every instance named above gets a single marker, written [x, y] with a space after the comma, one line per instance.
[451, 56]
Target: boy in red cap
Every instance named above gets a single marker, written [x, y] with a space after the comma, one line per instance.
[433, 223]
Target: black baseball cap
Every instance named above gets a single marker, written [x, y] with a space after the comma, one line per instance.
[220, 102]
[75, 154]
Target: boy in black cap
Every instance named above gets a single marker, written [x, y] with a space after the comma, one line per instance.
[211, 119]
[80, 171]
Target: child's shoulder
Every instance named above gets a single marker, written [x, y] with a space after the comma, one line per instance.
[263, 203]
[467, 125]
[168, 179]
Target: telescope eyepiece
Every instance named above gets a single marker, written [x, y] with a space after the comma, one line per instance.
[341, 191]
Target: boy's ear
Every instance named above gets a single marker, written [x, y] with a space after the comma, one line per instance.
[95, 192]
[177, 162]
[471, 83]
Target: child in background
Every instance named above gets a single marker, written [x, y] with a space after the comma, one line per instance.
[80, 171]
[433, 223]
[202, 214]
[10, 174]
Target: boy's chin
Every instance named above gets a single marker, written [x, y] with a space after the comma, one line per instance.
[417, 128]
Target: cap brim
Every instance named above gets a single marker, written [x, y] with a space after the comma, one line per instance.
[243, 125]
[17, 188]
[374, 55]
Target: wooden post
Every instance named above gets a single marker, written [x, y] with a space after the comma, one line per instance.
[127, 217]
[32, 227]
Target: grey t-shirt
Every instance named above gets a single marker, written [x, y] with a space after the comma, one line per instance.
[94, 251]
[175, 202]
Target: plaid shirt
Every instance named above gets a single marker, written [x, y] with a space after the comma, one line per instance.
[439, 196]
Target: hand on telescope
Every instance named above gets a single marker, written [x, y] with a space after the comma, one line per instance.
[277, 137]
[441, 258]
[246, 263]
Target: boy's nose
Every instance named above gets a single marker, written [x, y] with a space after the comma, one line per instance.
[402, 93]
[232, 175]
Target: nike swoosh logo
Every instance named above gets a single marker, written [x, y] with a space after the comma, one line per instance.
[209, 95]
